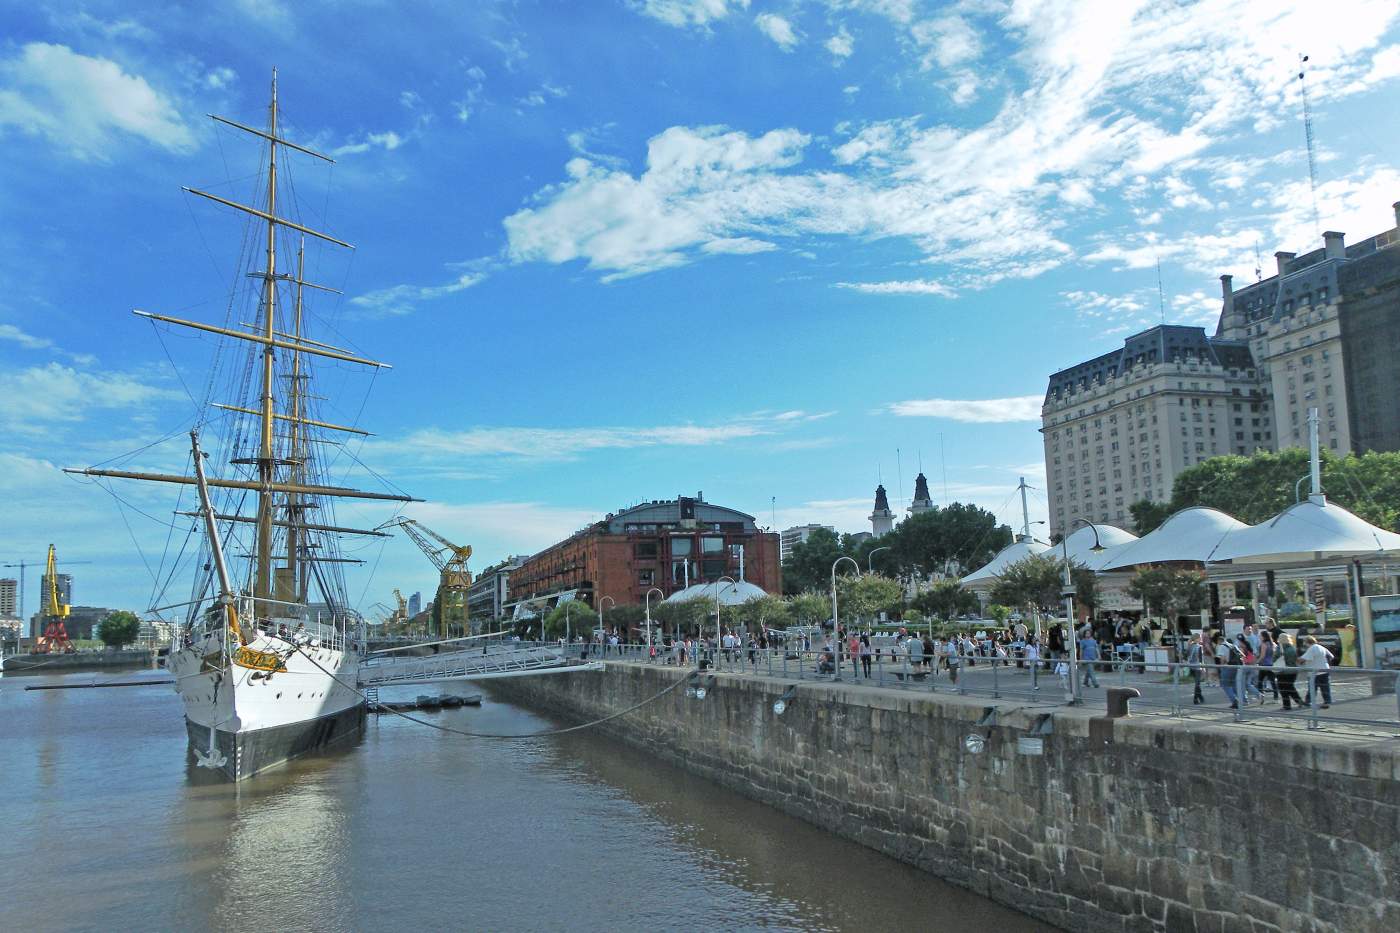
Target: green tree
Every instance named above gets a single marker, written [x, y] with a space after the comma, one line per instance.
[1152, 585]
[812, 607]
[864, 596]
[1000, 613]
[572, 617]
[946, 600]
[624, 619]
[809, 565]
[764, 612]
[931, 541]
[119, 629]
[1190, 592]
[686, 617]
[1033, 582]
[1147, 515]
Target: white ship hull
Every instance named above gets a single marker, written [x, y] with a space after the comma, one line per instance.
[242, 721]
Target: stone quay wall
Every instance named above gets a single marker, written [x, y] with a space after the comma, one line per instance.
[1138, 824]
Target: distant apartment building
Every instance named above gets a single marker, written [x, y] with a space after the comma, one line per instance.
[9, 599]
[664, 544]
[490, 591]
[798, 534]
[415, 604]
[1323, 332]
[65, 588]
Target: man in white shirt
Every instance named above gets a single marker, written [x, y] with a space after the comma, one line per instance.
[1318, 660]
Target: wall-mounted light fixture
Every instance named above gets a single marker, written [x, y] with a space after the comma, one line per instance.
[702, 688]
[780, 705]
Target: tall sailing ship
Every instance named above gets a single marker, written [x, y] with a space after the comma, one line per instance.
[268, 656]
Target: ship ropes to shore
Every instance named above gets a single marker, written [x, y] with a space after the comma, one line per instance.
[269, 648]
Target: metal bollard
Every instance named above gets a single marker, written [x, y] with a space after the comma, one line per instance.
[1118, 698]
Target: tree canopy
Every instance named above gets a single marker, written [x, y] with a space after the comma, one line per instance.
[936, 541]
[119, 629]
[570, 618]
[1258, 487]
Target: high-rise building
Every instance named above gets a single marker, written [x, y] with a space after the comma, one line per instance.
[65, 590]
[882, 519]
[9, 599]
[798, 534]
[1323, 332]
[490, 592]
[415, 604]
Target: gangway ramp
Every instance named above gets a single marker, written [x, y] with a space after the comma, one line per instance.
[467, 663]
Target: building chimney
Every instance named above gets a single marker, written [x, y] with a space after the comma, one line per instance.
[1335, 244]
[1396, 208]
[1227, 291]
[1282, 259]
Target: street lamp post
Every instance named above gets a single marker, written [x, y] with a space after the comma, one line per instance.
[836, 615]
[719, 629]
[1069, 607]
[648, 603]
[870, 558]
[602, 631]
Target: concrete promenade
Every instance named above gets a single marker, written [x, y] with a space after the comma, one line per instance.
[1152, 823]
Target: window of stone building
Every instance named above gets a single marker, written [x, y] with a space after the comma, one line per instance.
[681, 547]
[1333, 443]
[645, 550]
[678, 571]
[1239, 435]
[646, 577]
[712, 545]
[1256, 435]
[714, 568]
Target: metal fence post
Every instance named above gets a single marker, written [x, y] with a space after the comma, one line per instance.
[1313, 698]
[1241, 700]
[996, 684]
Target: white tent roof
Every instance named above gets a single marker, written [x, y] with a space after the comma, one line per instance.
[1081, 544]
[1308, 530]
[1019, 549]
[1189, 535]
[730, 594]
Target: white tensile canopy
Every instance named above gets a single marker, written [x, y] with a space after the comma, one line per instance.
[1314, 529]
[1080, 544]
[729, 594]
[1021, 548]
[1189, 535]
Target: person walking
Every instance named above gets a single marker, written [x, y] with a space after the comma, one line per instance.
[1251, 677]
[1088, 656]
[1286, 671]
[865, 654]
[1318, 660]
[1268, 651]
[1227, 662]
[1195, 657]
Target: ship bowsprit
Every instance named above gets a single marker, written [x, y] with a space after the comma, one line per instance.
[509, 660]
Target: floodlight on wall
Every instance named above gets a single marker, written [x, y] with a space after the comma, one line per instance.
[974, 742]
[702, 689]
[780, 705]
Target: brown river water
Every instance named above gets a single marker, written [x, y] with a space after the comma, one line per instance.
[106, 827]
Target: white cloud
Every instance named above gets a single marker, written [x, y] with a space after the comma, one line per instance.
[842, 44]
[778, 29]
[219, 78]
[568, 443]
[84, 104]
[389, 141]
[58, 393]
[501, 528]
[739, 245]
[976, 411]
[271, 12]
[28, 341]
[906, 287]
[689, 12]
[402, 299]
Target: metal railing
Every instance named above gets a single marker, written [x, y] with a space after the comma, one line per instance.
[1321, 698]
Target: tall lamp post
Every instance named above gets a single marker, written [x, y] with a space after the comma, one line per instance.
[870, 558]
[719, 630]
[602, 631]
[648, 602]
[1069, 606]
[836, 615]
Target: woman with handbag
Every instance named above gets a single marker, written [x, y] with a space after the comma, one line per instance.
[1286, 671]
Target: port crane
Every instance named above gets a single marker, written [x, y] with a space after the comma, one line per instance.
[51, 608]
[454, 579]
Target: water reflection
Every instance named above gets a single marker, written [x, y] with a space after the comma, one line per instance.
[416, 829]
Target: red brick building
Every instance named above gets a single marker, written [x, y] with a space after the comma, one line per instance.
[664, 544]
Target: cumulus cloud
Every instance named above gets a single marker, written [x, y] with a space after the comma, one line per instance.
[976, 411]
[689, 12]
[842, 44]
[85, 105]
[388, 141]
[778, 29]
[58, 393]
[28, 341]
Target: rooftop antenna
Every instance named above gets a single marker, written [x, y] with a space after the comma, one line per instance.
[899, 475]
[1258, 263]
[773, 504]
[1308, 133]
[943, 455]
[1161, 295]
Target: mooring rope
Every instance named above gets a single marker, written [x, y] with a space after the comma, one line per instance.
[499, 735]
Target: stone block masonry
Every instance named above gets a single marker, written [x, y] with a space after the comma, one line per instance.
[1170, 826]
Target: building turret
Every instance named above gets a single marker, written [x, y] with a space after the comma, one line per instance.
[882, 519]
[923, 502]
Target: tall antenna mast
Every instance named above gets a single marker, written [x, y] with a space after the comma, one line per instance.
[1161, 295]
[943, 456]
[899, 475]
[1308, 133]
[1258, 263]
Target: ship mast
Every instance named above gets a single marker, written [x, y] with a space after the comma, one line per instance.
[297, 488]
[267, 467]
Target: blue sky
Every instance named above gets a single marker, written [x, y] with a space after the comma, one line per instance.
[624, 250]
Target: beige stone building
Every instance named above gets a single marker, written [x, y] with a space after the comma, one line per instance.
[1323, 332]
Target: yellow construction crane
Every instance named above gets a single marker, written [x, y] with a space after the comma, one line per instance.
[454, 579]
